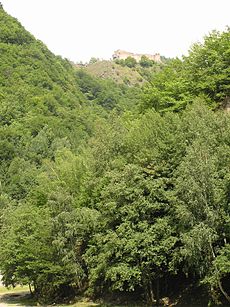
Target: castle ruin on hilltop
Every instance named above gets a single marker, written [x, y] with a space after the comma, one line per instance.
[122, 55]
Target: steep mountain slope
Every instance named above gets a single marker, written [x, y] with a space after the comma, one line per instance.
[37, 89]
[26, 62]
[45, 103]
[42, 108]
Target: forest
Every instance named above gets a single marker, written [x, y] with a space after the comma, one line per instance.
[114, 190]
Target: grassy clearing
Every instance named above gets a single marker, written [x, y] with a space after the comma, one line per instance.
[4, 290]
[25, 300]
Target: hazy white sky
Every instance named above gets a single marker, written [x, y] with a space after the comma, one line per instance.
[81, 29]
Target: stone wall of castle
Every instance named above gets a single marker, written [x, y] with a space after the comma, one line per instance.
[122, 55]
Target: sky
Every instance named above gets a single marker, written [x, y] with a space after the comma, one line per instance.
[81, 29]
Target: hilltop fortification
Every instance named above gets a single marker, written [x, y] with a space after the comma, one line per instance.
[122, 55]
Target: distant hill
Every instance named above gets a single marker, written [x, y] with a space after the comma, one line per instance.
[121, 74]
[111, 70]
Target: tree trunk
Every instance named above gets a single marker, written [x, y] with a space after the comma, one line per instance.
[225, 294]
[151, 294]
[30, 289]
[157, 292]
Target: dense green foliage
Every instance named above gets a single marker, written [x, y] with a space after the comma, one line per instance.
[105, 189]
[203, 73]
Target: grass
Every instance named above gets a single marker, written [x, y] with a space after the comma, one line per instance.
[82, 304]
[91, 304]
[111, 70]
[26, 300]
[4, 290]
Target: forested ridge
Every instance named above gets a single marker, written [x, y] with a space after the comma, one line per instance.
[114, 190]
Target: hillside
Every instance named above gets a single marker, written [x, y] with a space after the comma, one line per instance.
[121, 73]
[37, 89]
[115, 72]
[111, 190]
